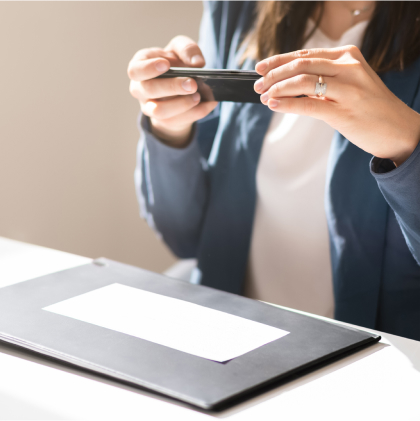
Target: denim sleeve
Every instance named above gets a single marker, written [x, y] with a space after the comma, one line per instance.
[171, 190]
[401, 189]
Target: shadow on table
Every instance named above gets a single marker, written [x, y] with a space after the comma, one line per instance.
[408, 347]
[232, 407]
[12, 408]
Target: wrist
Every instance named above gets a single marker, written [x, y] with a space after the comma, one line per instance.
[178, 137]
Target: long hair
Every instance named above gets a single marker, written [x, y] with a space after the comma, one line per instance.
[391, 41]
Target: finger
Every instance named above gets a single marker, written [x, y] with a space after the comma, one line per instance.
[170, 107]
[192, 115]
[135, 89]
[160, 88]
[303, 85]
[187, 50]
[313, 107]
[318, 66]
[151, 62]
[147, 68]
[155, 52]
[264, 66]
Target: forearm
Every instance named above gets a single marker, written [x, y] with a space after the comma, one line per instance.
[401, 189]
[172, 191]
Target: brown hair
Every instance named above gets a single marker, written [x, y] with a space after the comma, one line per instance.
[391, 41]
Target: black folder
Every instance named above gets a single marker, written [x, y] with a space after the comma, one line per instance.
[195, 380]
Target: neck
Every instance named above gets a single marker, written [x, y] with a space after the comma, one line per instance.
[339, 16]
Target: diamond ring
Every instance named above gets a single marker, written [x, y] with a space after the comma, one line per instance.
[320, 87]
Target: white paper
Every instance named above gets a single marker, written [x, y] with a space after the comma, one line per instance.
[174, 323]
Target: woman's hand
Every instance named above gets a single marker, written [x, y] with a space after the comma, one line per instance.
[357, 103]
[173, 105]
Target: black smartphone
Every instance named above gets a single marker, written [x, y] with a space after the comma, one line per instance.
[220, 85]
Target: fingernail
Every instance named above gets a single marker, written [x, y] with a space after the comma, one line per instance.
[187, 85]
[196, 97]
[273, 103]
[161, 66]
[258, 84]
[261, 66]
[264, 97]
[196, 59]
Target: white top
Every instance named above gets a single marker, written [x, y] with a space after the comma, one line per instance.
[289, 260]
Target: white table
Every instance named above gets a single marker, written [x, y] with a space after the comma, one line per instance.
[381, 382]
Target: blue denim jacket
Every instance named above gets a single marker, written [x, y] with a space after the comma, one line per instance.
[201, 199]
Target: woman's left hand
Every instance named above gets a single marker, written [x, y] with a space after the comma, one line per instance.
[357, 103]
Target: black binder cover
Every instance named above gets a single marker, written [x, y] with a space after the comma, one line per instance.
[183, 376]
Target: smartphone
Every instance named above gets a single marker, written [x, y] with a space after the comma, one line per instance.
[220, 85]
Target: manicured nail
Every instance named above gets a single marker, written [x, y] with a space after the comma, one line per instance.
[161, 66]
[196, 97]
[261, 66]
[273, 103]
[197, 59]
[264, 97]
[259, 84]
[187, 85]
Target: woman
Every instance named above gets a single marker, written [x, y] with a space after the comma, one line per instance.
[241, 186]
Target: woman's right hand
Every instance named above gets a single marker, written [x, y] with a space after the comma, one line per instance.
[173, 105]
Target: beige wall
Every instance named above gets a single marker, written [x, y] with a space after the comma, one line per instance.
[68, 124]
